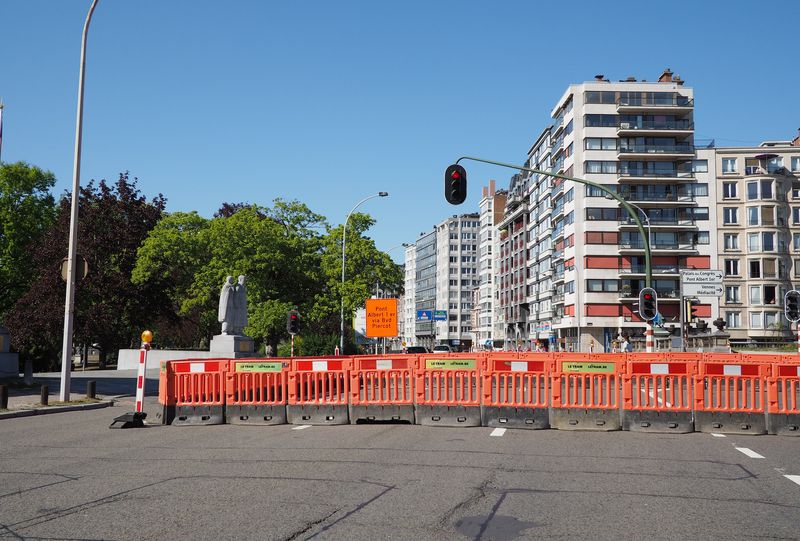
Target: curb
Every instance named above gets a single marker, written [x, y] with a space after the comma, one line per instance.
[54, 409]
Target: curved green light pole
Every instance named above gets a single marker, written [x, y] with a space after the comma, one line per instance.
[633, 214]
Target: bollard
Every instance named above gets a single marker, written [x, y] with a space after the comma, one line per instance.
[45, 395]
[3, 397]
[90, 388]
[28, 373]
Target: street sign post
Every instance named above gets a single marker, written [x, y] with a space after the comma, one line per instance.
[697, 283]
[702, 290]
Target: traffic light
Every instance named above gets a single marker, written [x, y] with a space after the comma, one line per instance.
[293, 322]
[791, 305]
[694, 311]
[455, 184]
[648, 303]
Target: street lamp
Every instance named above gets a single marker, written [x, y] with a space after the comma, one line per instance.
[344, 255]
[69, 303]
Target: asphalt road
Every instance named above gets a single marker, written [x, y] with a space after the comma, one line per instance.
[67, 476]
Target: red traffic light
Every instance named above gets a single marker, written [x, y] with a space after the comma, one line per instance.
[648, 297]
[455, 175]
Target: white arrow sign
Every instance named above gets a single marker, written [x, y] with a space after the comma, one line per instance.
[701, 277]
[702, 290]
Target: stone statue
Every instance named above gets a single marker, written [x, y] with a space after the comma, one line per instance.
[227, 307]
[240, 307]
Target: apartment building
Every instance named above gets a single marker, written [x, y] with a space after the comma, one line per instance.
[425, 288]
[487, 322]
[408, 306]
[759, 237]
[572, 259]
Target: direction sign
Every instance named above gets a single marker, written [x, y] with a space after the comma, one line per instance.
[702, 290]
[440, 315]
[701, 277]
[701, 283]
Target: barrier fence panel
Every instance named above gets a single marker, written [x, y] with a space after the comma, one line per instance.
[585, 391]
[318, 391]
[256, 391]
[447, 390]
[192, 391]
[783, 397]
[730, 394]
[382, 389]
[515, 390]
[657, 392]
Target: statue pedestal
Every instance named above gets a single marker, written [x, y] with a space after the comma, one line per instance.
[232, 346]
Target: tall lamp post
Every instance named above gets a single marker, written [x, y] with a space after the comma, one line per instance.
[344, 255]
[69, 303]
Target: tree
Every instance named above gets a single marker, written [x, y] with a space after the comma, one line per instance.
[27, 209]
[110, 310]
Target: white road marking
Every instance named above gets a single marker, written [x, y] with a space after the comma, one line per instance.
[498, 432]
[793, 478]
[748, 452]
[718, 435]
[301, 427]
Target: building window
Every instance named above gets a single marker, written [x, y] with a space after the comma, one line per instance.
[752, 191]
[796, 163]
[766, 189]
[598, 143]
[732, 294]
[752, 216]
[756, 321]
[770, 320]
[728, 165]
[774, 164]
[732, 267]
[796, 241]
[768, 242]
[700, 166]
[733, 320]
[732, 241]
[730, 215]
[755, 294]
[754, 266]
[752, 242]
[597, 286]
[729, 190]
[598, 167]
[796, 215]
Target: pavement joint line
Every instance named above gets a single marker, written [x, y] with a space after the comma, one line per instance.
[718, 435]
[498, 432]
[748, 452]
[301, 427]
[793, 478]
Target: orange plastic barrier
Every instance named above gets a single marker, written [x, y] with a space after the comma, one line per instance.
[783, 396]
[657, 392]
[256, 391]
[382, 388]
[319, 388]
[447, 388]
[192, 391]
[730, 393]
[514, 390]
[585, 391]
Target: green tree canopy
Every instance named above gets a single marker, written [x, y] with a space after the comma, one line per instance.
[26, 210]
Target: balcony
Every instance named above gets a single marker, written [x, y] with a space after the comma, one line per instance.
[657, 269]
[677, 104]
[662, 222]
[662, 151]
[663, 294]
[558, 254]
[650, 127]
[650, 174]
[558, 298]
[558, 211]
[666, 196]
[673, 246]
[558, 276]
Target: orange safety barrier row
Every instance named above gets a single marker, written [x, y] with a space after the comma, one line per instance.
[662, 392]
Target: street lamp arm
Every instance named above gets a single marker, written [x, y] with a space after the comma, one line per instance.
[627, 206]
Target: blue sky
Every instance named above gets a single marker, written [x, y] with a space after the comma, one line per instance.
[328, 102]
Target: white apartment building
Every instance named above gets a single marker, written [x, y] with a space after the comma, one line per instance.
[408, 308]
[758, 201]
[487, 324]
[573, 273]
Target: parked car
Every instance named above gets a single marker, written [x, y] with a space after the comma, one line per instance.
[442, 349]
[416, 349]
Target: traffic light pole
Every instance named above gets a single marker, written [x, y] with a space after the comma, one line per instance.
[631, 212]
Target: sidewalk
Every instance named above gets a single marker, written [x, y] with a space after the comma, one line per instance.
[110, 386]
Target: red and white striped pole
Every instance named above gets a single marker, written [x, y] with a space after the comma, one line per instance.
[798, 337]
[147, 337]
[648, 337]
